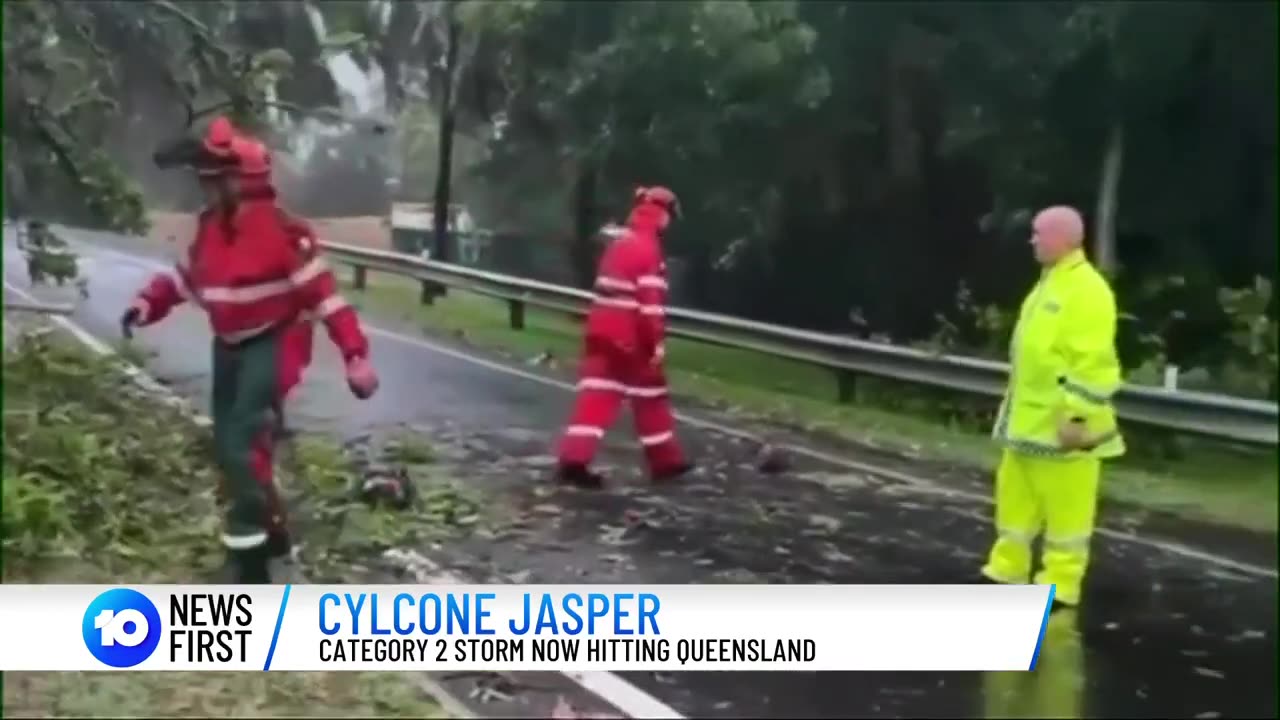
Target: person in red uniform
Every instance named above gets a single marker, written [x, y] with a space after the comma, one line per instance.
[253, 278]
[298, 341]
[623, 349]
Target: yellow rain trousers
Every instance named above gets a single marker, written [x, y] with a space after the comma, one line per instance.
[1064, 369]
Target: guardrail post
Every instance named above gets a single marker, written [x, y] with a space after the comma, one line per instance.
[515, 314]
[358, 279]
[846, 386]
[432, 290]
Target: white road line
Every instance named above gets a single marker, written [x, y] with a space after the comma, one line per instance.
[833, 459]
[619, 693]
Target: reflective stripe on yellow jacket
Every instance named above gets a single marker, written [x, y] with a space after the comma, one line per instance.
[1063, 364]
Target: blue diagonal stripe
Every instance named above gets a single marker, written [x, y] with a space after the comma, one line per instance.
[284, 603]
[1035, 656]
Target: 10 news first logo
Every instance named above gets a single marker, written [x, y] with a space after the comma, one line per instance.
[122, 627]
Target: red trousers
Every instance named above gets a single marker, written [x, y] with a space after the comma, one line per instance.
[295, 356]
[607, 376]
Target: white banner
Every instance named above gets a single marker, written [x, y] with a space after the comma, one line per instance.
[522, 627]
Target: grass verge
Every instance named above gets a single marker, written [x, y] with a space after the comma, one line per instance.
[1185, 477]
[103, 485]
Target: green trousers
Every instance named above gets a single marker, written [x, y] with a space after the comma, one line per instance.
[245, 388]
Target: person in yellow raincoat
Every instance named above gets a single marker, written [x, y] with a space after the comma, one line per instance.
[1057, 422]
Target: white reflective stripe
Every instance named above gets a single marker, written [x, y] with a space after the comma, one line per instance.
[601, 384]
[331, 305]
[262, 291]
[244, 542]
[652, 281]
[246, 294]
[658, 439]
[615, 386]
[1090, 394]
[180, 284]
[609, 283]
[585, 431]
[308, 272]
[646, 392]
[655, 310]
[623, 303]
[242, 335]
[1019, 536]
[1068, 542]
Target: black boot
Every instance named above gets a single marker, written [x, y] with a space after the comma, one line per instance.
[250, 566]
[279, 544]
[280, 430]
[673, 473]
[579, 475]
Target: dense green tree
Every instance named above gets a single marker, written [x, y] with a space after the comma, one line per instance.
[861, 160]
[867, 157]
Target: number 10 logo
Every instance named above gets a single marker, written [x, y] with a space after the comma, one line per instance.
[121, 628]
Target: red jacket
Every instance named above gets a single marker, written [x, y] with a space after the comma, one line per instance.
[301, 334]
[631, 287]
[254, 272]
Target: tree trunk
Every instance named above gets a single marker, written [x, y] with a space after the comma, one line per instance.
[903, 145]
[1104, 231]
[910, 56]
[582, 252]
[444, 167]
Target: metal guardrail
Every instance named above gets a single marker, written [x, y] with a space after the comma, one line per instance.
[1243, 420]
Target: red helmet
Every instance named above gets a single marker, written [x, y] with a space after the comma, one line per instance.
[218, 136]
[216, 143]
[659, 196]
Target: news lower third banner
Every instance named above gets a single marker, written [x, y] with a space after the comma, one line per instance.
[514, 627]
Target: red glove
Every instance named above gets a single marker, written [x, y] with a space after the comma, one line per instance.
[361, 378]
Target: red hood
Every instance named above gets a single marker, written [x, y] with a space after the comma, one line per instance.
[647, 219]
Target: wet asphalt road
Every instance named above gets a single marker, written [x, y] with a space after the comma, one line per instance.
[1161, 635]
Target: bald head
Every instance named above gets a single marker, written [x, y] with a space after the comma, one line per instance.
[1056, 231]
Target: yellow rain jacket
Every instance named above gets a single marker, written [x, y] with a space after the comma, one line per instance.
[1064, 365]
